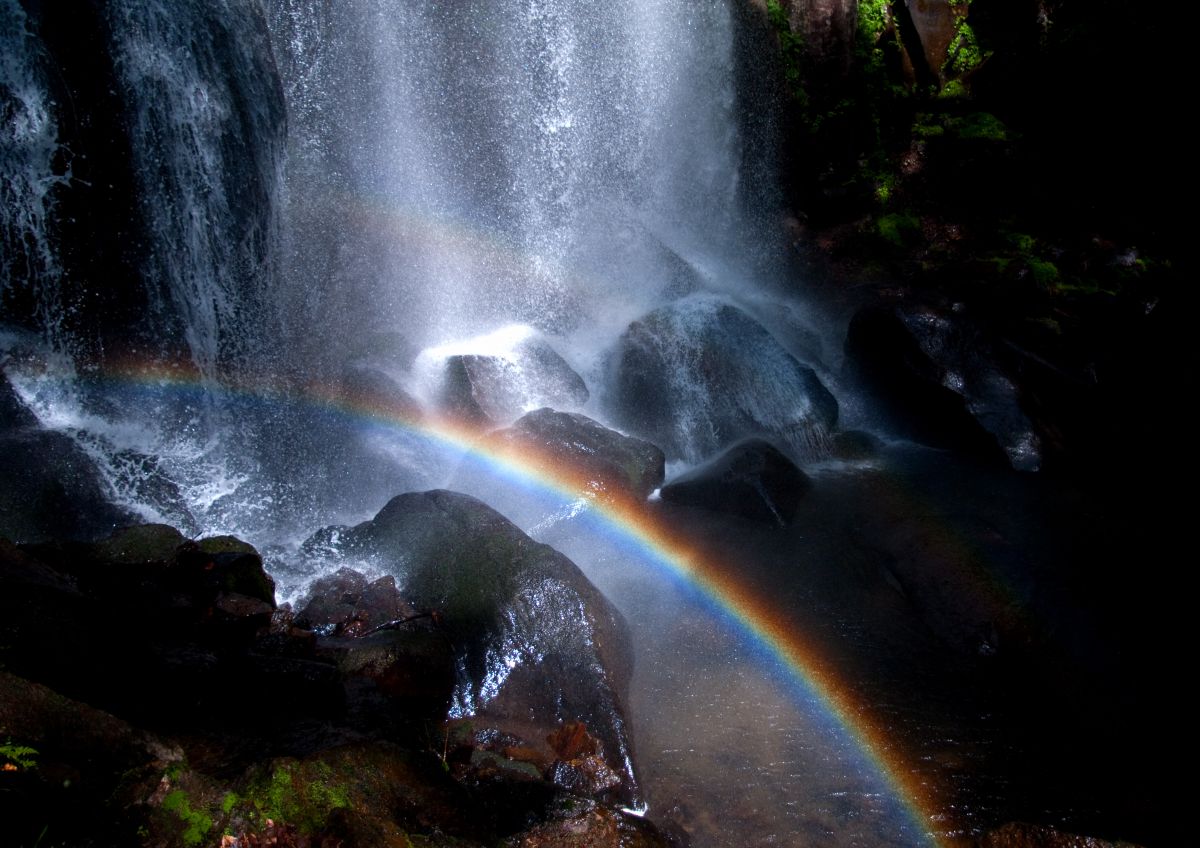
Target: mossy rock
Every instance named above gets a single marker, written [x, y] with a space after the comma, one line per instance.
[397, 789]
[140, 545]
[226, 545]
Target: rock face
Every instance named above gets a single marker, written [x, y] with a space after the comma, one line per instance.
[348, 603]
[49, 488]
[612, 461]
[493, 389]
[534, 641]
[149, 685]
[698, 375]
[753, 479]
[939, 381]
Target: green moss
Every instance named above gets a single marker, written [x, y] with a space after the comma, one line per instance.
[196, 823]
[1023, 242]
[225, 545]
[229, 802]
[898, 228]
[301, 794]
[983, 126]
[1045, 273]
[885, 187]
[954, 90]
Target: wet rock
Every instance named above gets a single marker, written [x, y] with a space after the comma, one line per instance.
[534, 640]
[1021, 835]
[13, 411]
[346, 603]
[141, 478]
[378, 780]
[364, 386]
[940, 382]
[698, 375]
[753, 479]
[393, 678]
[584, 825]
[493, 389]
[611, 461]
[49, 487]
[139, 545]
[855, 444]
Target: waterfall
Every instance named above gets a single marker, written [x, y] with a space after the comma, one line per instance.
[32, 167]
[454, 167]
[300, 192]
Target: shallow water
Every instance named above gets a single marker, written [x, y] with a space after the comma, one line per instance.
[911, 576]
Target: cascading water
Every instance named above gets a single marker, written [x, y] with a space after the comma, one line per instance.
[457, 167]
[468, 191]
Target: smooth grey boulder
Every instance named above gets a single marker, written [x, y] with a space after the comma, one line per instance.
[700, 374]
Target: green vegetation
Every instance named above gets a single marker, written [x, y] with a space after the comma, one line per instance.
[196, 823]
[899, 228]
[791, 50]
[873, 18]
[301, 794]
[964, 55]
[17, 757]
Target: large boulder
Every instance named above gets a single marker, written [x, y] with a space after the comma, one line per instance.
[493, 388]
[700, 374]
[753, 479]
[49, 487]
[611, 462]
[939, 381]
[535, 643]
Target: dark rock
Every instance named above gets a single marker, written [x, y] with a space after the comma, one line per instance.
[141, 478]
[1021, 835]
[753, 479]
[612, 461]
[374, 779]
[346, 603]
[363, 386]
[939, 382]
[583, 825]
[534, 641]
[80, 758]
[139, 545]
[393, 677]
[494, 389]
[855, 444]
[50, 488]
[700, 374]
[13, 411]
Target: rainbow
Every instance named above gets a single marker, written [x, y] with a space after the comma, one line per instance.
[628, 520]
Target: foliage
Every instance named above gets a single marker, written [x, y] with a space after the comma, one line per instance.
[898, 228]
[963, 55]
[17, 756]
[301, 794]
[873, 19]
[791, 50]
